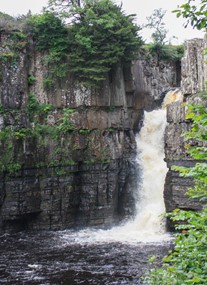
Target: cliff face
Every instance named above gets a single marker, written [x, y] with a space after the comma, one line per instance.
[153, 78]
[194, 75]
[68, 152]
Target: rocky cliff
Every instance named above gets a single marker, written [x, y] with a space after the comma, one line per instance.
[194, 76]
[68, 152]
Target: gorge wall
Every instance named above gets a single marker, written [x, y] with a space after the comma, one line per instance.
[194, 76]
[68, 152]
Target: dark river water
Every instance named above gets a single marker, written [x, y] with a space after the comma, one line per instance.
[70, 258]
[101, 257]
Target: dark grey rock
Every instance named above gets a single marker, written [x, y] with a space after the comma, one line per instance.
[98, 190]
[192, 82]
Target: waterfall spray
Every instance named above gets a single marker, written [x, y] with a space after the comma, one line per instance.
[148, 225]
[150, 157]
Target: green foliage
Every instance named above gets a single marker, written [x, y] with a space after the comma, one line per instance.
[57, 163]
[111, 130]
[8, 163]
[64, 124]
[48, 83]
[31, 79]
[14, 43]
[166, 52]
[187, 264]
[84, 131]
[48, 32]
[37, 110]
[52, 134]
[58, 136]
[197, 113]
[100, 37]
[159, 47]
[2, 109]
[12, 168]
[14, 24]
[90, 161]
[195, 14]
[7, 56]
[155, 22]
[18, 35]
[62, 7]
[51, 36]
[196, 146]
[60, 172]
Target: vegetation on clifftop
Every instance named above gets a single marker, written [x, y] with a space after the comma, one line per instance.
[51, 37]
[165, 52]
[160, 46]
[86, 39]
[87, 44]
[99, 36]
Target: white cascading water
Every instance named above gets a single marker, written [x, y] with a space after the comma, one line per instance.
[150, 157]
[149, 224]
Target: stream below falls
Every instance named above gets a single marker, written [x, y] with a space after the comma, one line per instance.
[118, 256]
[57, 258]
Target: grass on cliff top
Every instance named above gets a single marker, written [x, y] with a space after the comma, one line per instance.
[165, 52]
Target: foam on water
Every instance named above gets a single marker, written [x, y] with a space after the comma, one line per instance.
[148, 225]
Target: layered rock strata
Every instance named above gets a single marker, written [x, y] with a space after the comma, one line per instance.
[68, 152]
[194, 76]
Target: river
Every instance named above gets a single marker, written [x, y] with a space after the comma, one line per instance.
[95, 256]
[50, 258]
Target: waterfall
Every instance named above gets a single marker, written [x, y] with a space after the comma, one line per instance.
[148, 224]
[150, 157]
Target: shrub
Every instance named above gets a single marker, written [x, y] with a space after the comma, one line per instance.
[101, 36]
[166, 52]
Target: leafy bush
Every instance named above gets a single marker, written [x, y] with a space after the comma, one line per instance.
[51, 36]
[166, 52]
[101, 36]
[186, 264]
[195, 13]
[49, 32]
[37, 110]
[155, 22]
[31, 79]
[14, 43]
